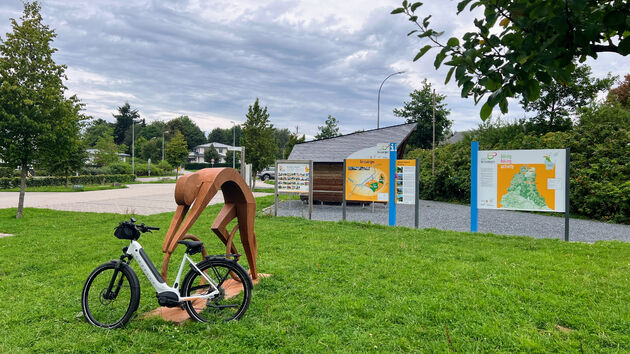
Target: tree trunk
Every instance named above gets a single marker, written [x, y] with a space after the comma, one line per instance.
[22, 191]
[67, 178]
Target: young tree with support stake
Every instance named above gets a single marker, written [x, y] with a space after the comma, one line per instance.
[258, 138]
[31, 92]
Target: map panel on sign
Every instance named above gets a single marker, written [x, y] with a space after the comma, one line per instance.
[522, 179]
[367, 179]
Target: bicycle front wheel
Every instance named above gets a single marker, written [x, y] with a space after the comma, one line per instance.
[110, 297]
[234, 290]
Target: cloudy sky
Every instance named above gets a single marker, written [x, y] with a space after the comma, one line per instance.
[211, 59]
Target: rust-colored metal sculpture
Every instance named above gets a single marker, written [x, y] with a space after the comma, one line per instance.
[193, 192]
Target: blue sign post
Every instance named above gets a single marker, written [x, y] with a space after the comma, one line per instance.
[393, 154]
[474, 211]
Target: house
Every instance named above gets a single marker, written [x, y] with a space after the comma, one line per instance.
[328, 155]
[197, 155]
[92, 153]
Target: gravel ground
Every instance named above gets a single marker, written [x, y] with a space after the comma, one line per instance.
[446, 216]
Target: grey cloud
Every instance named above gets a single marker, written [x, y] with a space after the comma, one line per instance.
[169, 60]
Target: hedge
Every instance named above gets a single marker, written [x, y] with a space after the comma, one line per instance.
[200, 165]
[13, 182]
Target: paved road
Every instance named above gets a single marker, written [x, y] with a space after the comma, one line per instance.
[142, 199]
[446, 216]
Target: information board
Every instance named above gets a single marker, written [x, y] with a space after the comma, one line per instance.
[406, 181]
[531, 180]
[293, 177]
[367, 180]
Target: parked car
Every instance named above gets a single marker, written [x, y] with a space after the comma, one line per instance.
[267, 173]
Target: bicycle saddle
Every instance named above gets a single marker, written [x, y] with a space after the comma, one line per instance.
[192, 247]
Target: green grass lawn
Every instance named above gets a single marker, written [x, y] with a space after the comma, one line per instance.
[86, 188]
[334, 287]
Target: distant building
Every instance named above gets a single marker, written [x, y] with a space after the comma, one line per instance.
[92, 153]
[328, 155]
[456, 137]
[197, 155]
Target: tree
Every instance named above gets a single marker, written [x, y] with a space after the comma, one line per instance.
[518, 43]
[225, 136]
[124, 119]
[558, 101]
[151, 149]
[31, 91]
[107, 151]
[330, 129]
[282, 137]
[153, 130]
[293, 139]
[176, 150]
[621, 93]
[258, 138]
[140, 143]
[137, 126]
[66, 151]
[420, 110]
[96, 129]
[228, 157]
[211, 153]
[192, 133]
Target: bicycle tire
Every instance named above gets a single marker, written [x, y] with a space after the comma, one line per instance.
[115, 312]
[227, 274]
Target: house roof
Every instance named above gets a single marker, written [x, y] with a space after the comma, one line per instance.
[338, 148]
[456, 137]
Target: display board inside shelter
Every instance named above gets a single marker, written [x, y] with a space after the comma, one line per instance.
[367, 180]
[293, 177]
[406, 180]
[531, 180]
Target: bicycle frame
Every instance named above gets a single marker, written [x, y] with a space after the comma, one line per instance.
[136, 251]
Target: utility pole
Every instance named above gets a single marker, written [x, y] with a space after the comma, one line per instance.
[433, 152]
[233, 144]
[133, 149]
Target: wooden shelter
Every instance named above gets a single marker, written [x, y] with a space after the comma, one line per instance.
[328, 155]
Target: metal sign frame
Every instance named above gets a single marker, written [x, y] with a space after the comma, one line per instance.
[474, 183]
[310, 185]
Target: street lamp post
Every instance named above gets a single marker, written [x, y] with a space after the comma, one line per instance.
[133, 148]
[378, 111]
[163, 131]
[233, 143]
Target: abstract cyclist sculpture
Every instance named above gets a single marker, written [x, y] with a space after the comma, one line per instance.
[193, 192]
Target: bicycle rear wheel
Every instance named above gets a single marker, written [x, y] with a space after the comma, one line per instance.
[110, 309]
[229, 303]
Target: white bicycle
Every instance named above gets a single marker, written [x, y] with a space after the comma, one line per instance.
[111, 293]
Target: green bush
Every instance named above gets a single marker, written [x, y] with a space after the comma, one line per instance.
[142, 169]
[6, 172]
[165, 166]
[600, 161]
[13, 182]
[119, 168]
[95, 171]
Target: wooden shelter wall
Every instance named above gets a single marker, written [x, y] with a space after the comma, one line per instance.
[328, 176]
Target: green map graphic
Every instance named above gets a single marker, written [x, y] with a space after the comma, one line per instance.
[374, 185]
[523, 193]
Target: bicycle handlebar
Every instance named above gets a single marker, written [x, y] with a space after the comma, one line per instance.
[142, 227]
